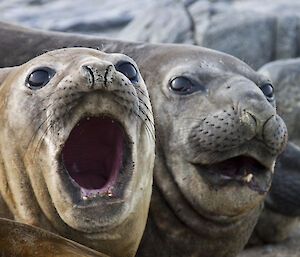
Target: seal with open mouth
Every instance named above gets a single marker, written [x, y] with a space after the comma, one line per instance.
[218, 138]
[77, 147]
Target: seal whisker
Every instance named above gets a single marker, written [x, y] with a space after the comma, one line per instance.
[43, 135]
[149, 129]
[35, 132]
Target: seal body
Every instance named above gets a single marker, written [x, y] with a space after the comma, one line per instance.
[218, 138]
[79, 127]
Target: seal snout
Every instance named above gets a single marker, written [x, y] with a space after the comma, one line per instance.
[275, 134]
[93, 153]
[98, 73]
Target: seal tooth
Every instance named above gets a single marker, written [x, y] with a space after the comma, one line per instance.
[248, 178]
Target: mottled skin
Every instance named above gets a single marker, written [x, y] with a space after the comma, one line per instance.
[35, 186]
[282, 208]
[36, 242]
[193, 212]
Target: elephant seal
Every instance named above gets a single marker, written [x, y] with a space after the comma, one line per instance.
[36, 242]
[77, 147]
[218, 136]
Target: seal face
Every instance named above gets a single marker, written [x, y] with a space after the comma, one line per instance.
[79, 127]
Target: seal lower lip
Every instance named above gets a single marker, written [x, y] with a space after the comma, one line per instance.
[93, 153]
[242, 169]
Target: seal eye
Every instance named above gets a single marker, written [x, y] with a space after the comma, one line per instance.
[268, 91]
[181, 85]
[39, 78]
[128, 70]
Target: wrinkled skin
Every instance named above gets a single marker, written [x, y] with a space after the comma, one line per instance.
[282, 208]
[37, 185]
[215, 145]
[36, 242]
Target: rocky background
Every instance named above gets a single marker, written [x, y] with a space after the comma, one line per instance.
[256, 31]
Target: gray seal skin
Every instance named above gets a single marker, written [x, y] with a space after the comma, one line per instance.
[77, 147]
[215, 153]
[282, 208]
[36, 242]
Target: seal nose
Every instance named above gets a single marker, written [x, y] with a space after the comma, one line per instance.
[275, 134]
[98, 73]
[259, 118]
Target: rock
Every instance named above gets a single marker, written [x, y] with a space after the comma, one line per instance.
[104, 17]
[243, 34]
[161, 23]
[251, 31]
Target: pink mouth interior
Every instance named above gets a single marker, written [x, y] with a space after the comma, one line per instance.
[93, 154]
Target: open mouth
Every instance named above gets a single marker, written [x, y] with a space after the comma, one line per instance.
[93, 154]
[242, 169]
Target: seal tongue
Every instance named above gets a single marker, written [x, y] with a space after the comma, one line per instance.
[93, 153]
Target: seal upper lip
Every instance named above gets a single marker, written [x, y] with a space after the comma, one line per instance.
[93, 154]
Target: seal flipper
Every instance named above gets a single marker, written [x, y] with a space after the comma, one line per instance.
[37, 242]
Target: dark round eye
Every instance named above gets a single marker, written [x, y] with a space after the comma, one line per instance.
[268, 91]
[128, 70]
[181, 85]
[39, 78]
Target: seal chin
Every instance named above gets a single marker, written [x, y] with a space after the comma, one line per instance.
[242, 169]
[93, 155]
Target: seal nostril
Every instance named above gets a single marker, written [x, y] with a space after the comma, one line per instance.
[250, 123]
[90, 74]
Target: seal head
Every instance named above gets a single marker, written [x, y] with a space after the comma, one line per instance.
[77, 147]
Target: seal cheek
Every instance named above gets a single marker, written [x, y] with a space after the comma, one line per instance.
[93, 153]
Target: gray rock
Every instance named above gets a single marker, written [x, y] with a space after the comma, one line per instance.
[254, 32]
[103, 17]
[287, 36]
[242, 34]
[162, 23]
